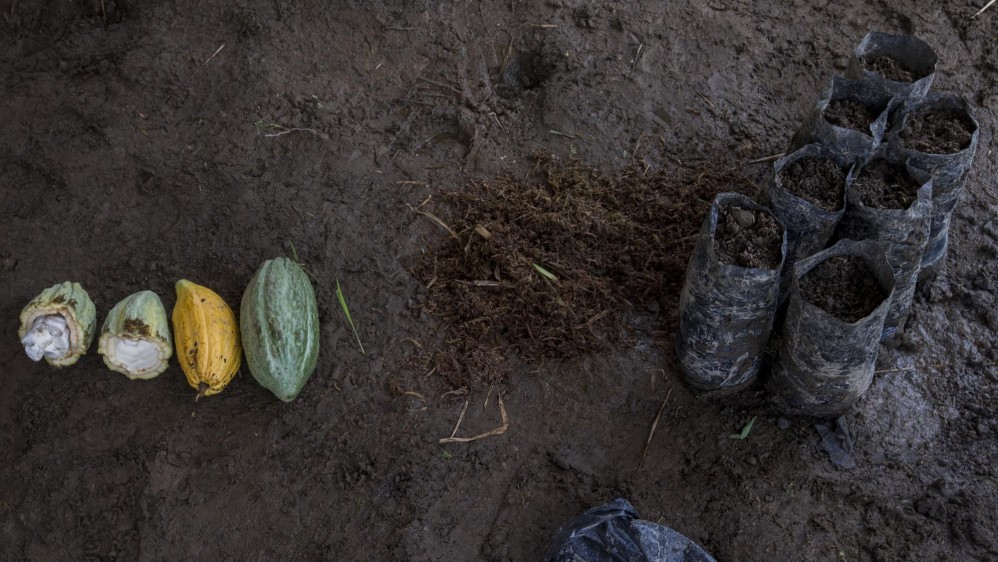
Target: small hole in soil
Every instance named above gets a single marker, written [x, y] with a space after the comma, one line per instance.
[938, 132]
[886, 186]
[890, 68]
[816, 180]
[849, 114]
[747, 238]
[843, 286]
[524, 71]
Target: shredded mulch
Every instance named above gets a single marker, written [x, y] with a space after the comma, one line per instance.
[547, 266]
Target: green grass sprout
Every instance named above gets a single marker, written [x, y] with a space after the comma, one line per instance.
[745, 430]
[346, 310]
[545, 273]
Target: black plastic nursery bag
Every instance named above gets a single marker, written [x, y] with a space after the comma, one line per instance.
[908, 64]
[824, 364]
[725, 311]
[613, 533]
[809, 226]
[902, 233]
[856, 145]
[949, 171]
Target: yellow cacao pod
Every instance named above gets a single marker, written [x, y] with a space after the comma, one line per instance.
[206, 338]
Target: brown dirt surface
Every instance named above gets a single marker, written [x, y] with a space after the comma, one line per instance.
[844, 287]
[886, 186]
[937, 132]
[748, 238]
[890, 68]
[146, 142]
[817, 180]
[849, 114]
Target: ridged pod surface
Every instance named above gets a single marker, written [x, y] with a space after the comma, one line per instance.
[71, 302]
[135, 338]
[206, 336]
[279, 321]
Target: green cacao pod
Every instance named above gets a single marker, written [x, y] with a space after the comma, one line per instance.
[58, 324]
[135, 339]
[279, 324]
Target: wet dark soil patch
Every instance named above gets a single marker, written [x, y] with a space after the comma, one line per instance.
[849, 114]
[886, 186]
[545, 267]
[890, 68]
[843, 286]
[748, 238]
[817, 180]
[938, 132]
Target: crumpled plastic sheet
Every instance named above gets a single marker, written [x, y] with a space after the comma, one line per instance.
[613, 533]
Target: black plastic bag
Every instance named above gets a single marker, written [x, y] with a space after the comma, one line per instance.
[823, 364]
[913, 53]
[725, 311]
[949, 171]
[854, 144]
[902, 233]
[613, 533]
[809, 227]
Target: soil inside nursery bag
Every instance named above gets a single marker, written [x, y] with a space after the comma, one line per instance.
[902, 65]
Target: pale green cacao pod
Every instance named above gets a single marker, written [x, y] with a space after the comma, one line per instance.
[58, 324]
[135, 338]
[279, 325]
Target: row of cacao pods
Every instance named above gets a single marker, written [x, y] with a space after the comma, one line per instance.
[278, 330]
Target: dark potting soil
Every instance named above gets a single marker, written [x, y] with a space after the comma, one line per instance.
[817, 180]
[890, 68]
[937, 132]
[843, 286]
[886, 186]
[849, 114]
[747, 238]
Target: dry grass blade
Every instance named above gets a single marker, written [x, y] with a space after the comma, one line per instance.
[435, 219]
[654, 426]
[497, 431]
[346, 310]
[981, 11]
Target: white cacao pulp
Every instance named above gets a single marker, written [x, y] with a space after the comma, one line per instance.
[48, 337]
[136, 356]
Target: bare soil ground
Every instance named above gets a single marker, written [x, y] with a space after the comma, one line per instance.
[144, 142]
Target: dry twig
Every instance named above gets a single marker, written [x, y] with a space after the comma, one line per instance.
[654, 425]
[497, 431]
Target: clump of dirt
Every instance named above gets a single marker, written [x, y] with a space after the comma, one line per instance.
[890, 68]
[843, 286]
[816, 180]
[886, 186]
[849, 114]
[748, 238]
[938, 132]
[546, 266]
